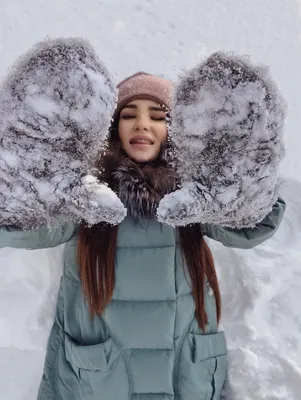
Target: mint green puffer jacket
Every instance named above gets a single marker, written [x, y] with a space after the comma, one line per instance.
[147, 345]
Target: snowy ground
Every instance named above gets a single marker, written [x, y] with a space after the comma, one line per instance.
[260, 287]
[261, 310]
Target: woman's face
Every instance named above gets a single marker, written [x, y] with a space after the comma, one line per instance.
[142, 129]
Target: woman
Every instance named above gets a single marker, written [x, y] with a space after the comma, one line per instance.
[139, 303]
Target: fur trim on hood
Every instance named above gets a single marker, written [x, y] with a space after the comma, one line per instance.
[140, 187]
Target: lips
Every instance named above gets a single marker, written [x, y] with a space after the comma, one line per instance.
[141, 140]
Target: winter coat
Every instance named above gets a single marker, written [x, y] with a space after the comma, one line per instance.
[147, 345]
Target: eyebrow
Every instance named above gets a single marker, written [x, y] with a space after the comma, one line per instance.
[150, 108]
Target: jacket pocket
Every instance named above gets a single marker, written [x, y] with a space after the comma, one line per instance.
[203, 367]
[98, 367]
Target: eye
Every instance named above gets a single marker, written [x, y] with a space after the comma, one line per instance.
[126, 116]
[158, 117]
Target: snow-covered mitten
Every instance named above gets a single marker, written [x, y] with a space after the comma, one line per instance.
[56, 106]
[227, 131]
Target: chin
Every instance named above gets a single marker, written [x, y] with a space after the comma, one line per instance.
[142, 159]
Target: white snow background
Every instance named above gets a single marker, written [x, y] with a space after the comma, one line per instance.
[260, 287]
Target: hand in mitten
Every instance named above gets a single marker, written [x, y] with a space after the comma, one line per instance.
[56, 106]
[226, 129]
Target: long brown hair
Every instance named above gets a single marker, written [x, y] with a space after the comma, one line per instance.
[96, 252]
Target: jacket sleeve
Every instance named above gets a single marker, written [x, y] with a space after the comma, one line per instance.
[36, 239]
[248, 238]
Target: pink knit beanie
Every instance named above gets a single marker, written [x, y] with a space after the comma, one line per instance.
[144, 86]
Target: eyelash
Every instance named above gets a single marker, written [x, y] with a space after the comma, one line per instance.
[153, 118]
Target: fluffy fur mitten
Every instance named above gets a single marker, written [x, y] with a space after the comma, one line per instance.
[56, 106]
[227, 132]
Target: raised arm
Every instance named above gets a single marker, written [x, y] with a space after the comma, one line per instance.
[36, 239]
[56, 105]
[228, 148]
[248, 238]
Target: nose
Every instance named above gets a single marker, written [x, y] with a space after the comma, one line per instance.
[142, 123]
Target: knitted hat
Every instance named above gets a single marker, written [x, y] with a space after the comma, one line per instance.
[144, 86]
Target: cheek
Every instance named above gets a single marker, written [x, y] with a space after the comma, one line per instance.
[163, 134]
[122, 132]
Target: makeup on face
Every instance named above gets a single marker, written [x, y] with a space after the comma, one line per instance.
[142, 129]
